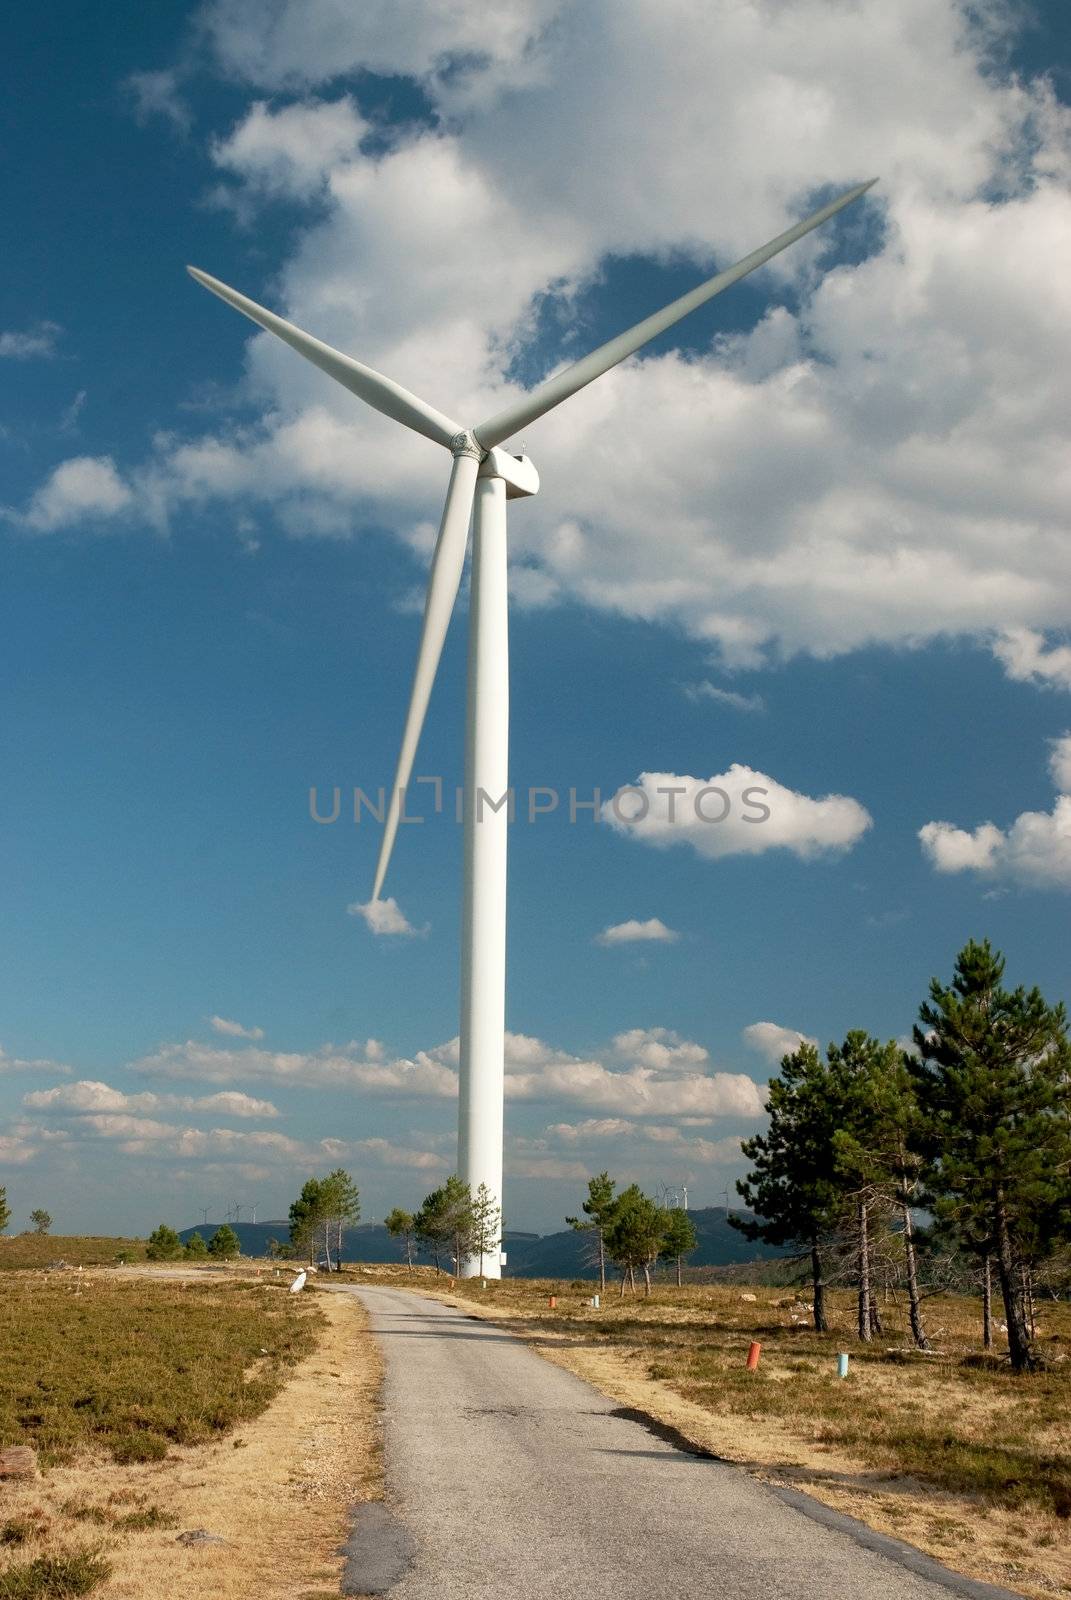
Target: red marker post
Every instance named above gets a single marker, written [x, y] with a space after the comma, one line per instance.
[754, 1350]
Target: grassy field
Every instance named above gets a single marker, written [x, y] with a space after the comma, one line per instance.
[21, 1250]
[98, 1375]
[949, 1451]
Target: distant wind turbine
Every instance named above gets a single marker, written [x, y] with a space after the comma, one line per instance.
[483, 477]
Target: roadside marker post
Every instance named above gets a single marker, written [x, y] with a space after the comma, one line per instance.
[754, 1351]
[842, 1365]
[553, 1301]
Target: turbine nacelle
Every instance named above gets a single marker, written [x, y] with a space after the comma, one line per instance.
[516, 472]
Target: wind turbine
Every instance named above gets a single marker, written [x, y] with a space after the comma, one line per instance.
[483, 477]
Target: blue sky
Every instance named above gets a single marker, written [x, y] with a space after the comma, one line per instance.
[820, 533]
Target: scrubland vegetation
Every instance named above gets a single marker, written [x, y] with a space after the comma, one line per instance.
[98, 1373]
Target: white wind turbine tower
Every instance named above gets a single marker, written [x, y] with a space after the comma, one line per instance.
[482, 479]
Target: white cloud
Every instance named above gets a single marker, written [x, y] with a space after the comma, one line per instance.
[351, 1066]
[645, 1071]
[291, 151]
[1025, 658]
[885, 463]
[18, 1064]
[235, 1030]
[1034, 851]
[738, 812]
[31, 342]
[653, 931]
[1060, 763]
[772, 1041]
[277, 45]
[389, 1154]
[661, 1076]
[386, 917]
[82, 489]
[706, 690]
[90, 1095]
[15, 1151]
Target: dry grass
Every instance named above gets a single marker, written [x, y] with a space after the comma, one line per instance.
[274, 1485]
[23, 1250]
[950, 1452]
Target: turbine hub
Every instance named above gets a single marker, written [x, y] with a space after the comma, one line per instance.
[467, 444]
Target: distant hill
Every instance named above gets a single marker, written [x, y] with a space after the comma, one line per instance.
[528, 1255]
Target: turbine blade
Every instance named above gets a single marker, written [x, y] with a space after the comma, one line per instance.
[447, 563]
[372, 387]
[559, 388]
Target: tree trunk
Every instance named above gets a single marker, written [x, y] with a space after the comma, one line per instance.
[409, 1252]
[1028, 1301]
[918, 1332]
[875, 1316]
[338, 1247]
[987, 1302]
[865, 1330]
[632, 1279]
[624, 1275]
[818, 1290]
[646, 1279]
[602, 1263]
[327, 1245]
[1022, 1355]
[679, 1279]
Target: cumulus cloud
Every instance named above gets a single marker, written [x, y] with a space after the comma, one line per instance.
[90, 1095]
[1035, 851]
[19, 1064]
[643, 1071]
[16, 1151]
[668, 1137]
[653, 931]
[738, 812]
[290, 151]
[235, 1030]
[772, 1041]
[356, 1066]
[883, 462]
[39, 341]
[84, 489]
[386, 917]
[1027, 660]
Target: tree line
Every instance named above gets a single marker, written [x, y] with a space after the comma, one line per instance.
[451, 1222]
[971, 1126]
[632, 1231]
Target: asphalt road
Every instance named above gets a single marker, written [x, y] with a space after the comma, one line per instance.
[509, 1478]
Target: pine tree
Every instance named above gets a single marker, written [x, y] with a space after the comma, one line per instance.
[309, 1217]
[994, 1084]
[41, 1221]
[195, 1247]
[224, 1243]
[599, 1210]
[342, 1206]
[434, 1223]
[635, 1234]
[402, 1225]
[678, 1238]
[793, 1188]
[486, 1224]
[5, 1210]
[875, 1158]
[164, 1244]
